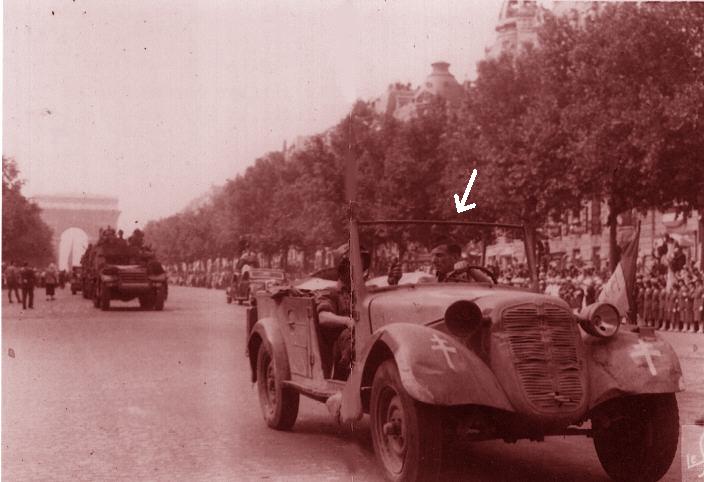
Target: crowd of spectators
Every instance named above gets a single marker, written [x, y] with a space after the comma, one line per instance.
[669, 291]
[202, 278]
[668, 296]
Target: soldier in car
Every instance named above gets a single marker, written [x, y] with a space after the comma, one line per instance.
[335, 315]
[448, 263]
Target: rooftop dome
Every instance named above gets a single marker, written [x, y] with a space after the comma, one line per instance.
[440, 82]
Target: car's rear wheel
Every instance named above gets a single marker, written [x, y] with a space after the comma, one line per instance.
[636, 437]
[407, 434]
[279, 404]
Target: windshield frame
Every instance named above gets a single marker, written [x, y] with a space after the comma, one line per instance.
[527, 238]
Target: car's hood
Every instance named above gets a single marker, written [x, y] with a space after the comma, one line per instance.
[426, 303]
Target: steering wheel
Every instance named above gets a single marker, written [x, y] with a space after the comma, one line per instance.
[452, 275]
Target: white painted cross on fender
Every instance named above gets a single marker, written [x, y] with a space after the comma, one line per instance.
[645, 350]
[442, 345]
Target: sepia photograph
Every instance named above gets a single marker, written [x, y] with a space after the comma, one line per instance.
[353, 240]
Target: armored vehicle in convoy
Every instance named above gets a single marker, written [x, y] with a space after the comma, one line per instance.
[118, 269]
[469, 358]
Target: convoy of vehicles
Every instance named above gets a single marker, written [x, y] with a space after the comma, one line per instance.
[471, 359]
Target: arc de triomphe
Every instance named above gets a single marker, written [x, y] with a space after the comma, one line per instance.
[75, 220]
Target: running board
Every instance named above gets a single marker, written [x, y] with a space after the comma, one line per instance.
[319, 393]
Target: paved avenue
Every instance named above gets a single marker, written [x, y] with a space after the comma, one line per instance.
[133, 395]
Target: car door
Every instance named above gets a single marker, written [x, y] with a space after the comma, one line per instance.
[297, 316]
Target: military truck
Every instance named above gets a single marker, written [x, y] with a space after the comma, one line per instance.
[117, 270]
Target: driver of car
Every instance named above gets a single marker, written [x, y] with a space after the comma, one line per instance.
[445, 258]
[334, 312]
[448, 263]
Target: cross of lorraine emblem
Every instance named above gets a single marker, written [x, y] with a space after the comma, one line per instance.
[441, 344]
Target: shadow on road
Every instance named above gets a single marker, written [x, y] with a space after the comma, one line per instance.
[486, 461]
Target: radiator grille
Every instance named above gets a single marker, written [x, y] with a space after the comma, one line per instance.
[131, 277]
[543, 343]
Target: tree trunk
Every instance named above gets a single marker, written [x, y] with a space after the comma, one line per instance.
[284, 258]
[305, 262]
[701, 238]
[614, 254]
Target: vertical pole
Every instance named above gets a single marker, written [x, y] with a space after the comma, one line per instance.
[529, 232]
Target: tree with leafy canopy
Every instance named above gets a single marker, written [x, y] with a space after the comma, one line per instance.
[517, 145]
[617, 81]
[25, 237]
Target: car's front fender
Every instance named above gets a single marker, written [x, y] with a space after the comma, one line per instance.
[631, 363]
[267, 330]
[434, 368]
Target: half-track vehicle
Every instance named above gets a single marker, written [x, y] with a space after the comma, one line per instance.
[473, 360]
[116, 270]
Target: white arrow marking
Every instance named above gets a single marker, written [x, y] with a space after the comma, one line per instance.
[461, 205]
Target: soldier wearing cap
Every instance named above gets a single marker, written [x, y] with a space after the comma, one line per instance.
[655, 304]
[647, 303]
[663, 306]
[688, 316]
[699, 306]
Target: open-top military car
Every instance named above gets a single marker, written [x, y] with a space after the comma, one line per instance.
[474, 360]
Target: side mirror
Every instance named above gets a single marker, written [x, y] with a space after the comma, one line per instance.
[600, 319]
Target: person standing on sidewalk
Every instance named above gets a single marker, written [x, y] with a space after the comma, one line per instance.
[12, 280]
[29, 279]
[51, 278]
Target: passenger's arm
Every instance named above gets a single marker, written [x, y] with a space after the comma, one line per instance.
[328, 318]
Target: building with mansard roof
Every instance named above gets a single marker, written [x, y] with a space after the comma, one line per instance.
[402, 101]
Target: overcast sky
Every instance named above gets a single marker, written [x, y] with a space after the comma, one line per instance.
[156, 101]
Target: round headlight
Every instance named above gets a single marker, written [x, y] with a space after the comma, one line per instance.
[600, 319]
[463, 318]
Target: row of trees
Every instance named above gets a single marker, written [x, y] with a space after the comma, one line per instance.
[609, 108]
[25, 237]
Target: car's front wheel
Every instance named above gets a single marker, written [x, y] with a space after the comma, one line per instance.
[146, 302]
[159, 299]
[279, 403]
[104, 299]
[636, 437]
[407, 434]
